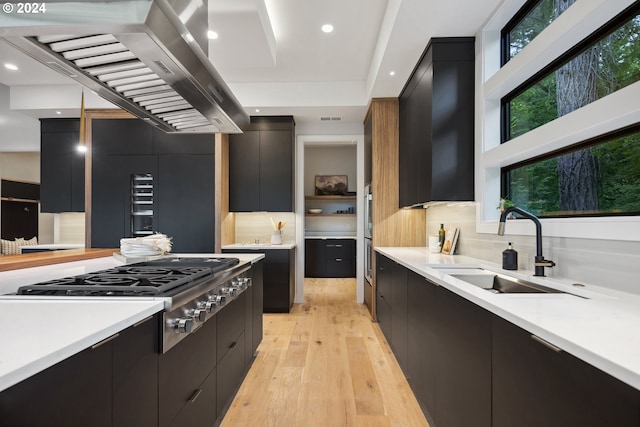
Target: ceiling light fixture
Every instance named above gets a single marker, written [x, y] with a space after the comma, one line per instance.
[11, 67]
[82, 146]
[392, 73]
[257, 110]
[327, 28]
[212, 35]
[58, 112]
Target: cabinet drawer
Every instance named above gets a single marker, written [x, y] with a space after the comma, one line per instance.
[230, 325]
[229, 373]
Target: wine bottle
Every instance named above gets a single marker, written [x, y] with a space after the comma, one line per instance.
[441, 236]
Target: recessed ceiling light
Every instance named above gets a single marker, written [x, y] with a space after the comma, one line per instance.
[58, 112]
[212, 35]
[327, 28]
[257, 110]
[11, 67]
[392, 73]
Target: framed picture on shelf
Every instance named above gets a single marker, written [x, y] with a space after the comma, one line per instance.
[331, 185]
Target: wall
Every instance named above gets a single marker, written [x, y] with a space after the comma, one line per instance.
[257, 225]
[609, 263]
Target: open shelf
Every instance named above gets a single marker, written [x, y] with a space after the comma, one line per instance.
[330, 197]
[331, 214]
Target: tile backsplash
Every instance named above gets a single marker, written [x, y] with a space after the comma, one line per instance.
[252, 226]
[608, 263]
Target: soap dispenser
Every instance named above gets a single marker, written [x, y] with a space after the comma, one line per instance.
[510, 258]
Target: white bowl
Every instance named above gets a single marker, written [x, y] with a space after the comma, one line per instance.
[315, 211]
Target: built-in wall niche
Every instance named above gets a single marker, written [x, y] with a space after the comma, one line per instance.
[330, 213]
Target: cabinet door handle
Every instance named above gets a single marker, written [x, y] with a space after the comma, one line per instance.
[233, 344]
[195, 395]
[338, 246]
[104, 341]
[142, 321]
[339, 259]
[546, 343]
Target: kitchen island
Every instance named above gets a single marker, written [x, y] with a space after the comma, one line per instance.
[70, 359]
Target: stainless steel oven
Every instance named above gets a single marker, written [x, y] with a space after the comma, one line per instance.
[368, 260]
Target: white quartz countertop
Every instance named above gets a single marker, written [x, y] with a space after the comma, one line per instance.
[39, 333]
[598, 325]
[256, 246]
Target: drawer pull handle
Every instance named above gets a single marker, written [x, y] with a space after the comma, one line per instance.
[195, 395]
[339, 259]
[338, 246]
[142, 321]
[104, 341]
[546, 343]
[233, 344]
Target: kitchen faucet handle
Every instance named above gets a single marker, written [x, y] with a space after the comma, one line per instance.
[544, 263]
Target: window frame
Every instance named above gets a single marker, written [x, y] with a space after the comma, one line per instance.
[609, 114]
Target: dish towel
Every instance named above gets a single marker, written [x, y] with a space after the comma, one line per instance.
[155, 244]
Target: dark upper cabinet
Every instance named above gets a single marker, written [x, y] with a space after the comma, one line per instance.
[538, 385]
[261, 166]
[436, 106]
[121, 137]
[61, 166]
[185, 201]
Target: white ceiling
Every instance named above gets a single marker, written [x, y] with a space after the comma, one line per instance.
[275, 58]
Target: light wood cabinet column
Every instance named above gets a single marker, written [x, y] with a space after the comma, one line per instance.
[392, 226]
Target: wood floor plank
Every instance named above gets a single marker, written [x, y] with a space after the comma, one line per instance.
[324, 364]
[363, 379]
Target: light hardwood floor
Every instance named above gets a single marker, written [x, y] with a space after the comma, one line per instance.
[324, 364]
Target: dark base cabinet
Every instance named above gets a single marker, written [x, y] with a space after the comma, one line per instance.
[534, 385]
[462, 361]
[94, 387]
[278, 277]
[330, 258]
[468, 367]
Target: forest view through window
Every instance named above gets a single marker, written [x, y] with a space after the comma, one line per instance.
[602, 179]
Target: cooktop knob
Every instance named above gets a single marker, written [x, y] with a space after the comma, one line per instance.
[199, 314]
[217, 299]
[208, 306]
[184, 325]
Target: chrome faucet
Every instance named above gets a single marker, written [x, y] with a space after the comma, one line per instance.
[540, 263]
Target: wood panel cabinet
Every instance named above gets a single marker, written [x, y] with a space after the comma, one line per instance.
[436, 132]
[93, 387]
[61, 166]
[261, 166]
[330, 258]
[538, 385]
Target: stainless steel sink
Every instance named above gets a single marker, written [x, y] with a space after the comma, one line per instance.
[500, 284]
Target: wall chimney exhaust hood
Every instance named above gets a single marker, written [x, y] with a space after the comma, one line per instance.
[146, 56]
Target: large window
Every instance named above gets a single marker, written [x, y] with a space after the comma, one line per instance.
[602, 64]
[601, 177]
[598, 177]
[534, 17]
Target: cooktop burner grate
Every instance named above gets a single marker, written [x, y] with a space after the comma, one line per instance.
[142, 279]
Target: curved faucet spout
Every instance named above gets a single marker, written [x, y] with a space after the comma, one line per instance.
[540, 263]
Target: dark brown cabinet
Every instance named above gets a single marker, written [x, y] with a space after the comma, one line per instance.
[278, 277]
[261, 166]
[436, 107]
[182, 169]
[462, 362]
[61, 166]
[330, 258]
[538, 385]
[93, 387]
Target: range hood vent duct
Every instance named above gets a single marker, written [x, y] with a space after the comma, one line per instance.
[142, 55]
